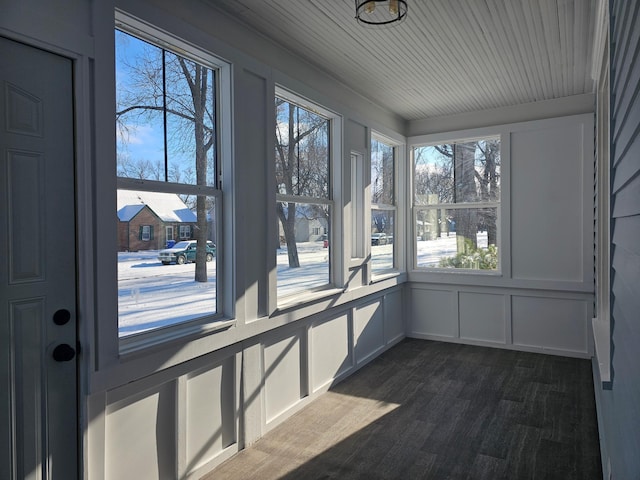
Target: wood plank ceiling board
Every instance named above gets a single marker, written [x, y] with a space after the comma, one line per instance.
[448, 57]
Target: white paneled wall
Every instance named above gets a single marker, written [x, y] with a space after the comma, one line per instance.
[542, 298]
[550, 172]
[181, 422]
[179, 427]
[506, 319]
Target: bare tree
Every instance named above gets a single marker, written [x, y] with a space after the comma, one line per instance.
[162, 85]
[436, 178]
[433, 177]
[139, 168]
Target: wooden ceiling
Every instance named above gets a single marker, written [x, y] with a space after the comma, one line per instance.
[448, 57]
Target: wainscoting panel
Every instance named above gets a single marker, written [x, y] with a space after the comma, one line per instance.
[433, 312]
[330, 351]
[482, 317]
[550, 323]
[140, 435]
[283, 371]
[368, 330]
[209, 413]
[394, 317]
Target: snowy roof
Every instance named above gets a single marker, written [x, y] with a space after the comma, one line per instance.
[126, 213]
[167, 206]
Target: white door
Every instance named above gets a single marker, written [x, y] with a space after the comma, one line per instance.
[38, 378]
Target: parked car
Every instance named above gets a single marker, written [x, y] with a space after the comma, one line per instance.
[185, 252]
[378, 239]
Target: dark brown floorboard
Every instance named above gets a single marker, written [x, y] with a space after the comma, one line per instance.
[431, 410]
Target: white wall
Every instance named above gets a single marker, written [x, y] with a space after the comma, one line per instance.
[542, 300]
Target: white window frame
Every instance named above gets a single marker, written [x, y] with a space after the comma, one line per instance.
[146, 233]
[439, 139]
[111, 348]
[169, 233]
[336, 278]
[357, 213]
[185, 232]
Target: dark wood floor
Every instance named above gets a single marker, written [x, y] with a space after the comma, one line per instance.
[439, 411]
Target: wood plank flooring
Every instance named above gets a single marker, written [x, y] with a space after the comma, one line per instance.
[432, 410]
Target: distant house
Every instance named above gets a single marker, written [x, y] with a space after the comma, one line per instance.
[310, 229]
[150, 220]
[310, 225]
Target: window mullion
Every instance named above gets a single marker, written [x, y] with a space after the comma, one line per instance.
[164, 114]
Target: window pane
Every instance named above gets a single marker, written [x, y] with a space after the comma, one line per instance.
[303, 256]
[302, 151]
[457, 173]
[382, 217]
[190, 121]
[165, 115]
[381, 173]
[302, 170]
[161, 282]
[382, 240]
[139, 117]
[457, 238]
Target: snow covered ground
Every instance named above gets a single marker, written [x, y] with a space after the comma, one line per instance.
[152, 295]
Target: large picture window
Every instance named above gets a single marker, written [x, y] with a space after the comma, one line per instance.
[456, 205]
[383, 206]
[168, 180]
[303, 199]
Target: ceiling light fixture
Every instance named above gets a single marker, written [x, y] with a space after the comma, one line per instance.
[380, 12]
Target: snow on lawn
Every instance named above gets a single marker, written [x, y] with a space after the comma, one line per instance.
[152, 295]
[312, 273]
[429, 252]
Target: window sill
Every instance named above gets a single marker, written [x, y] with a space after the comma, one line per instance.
[457, 271]
[135, 345]
[299, 300]
[382, 276]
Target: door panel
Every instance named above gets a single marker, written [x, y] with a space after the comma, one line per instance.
[38, 394]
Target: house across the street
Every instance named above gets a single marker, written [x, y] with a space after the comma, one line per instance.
[151, 220]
